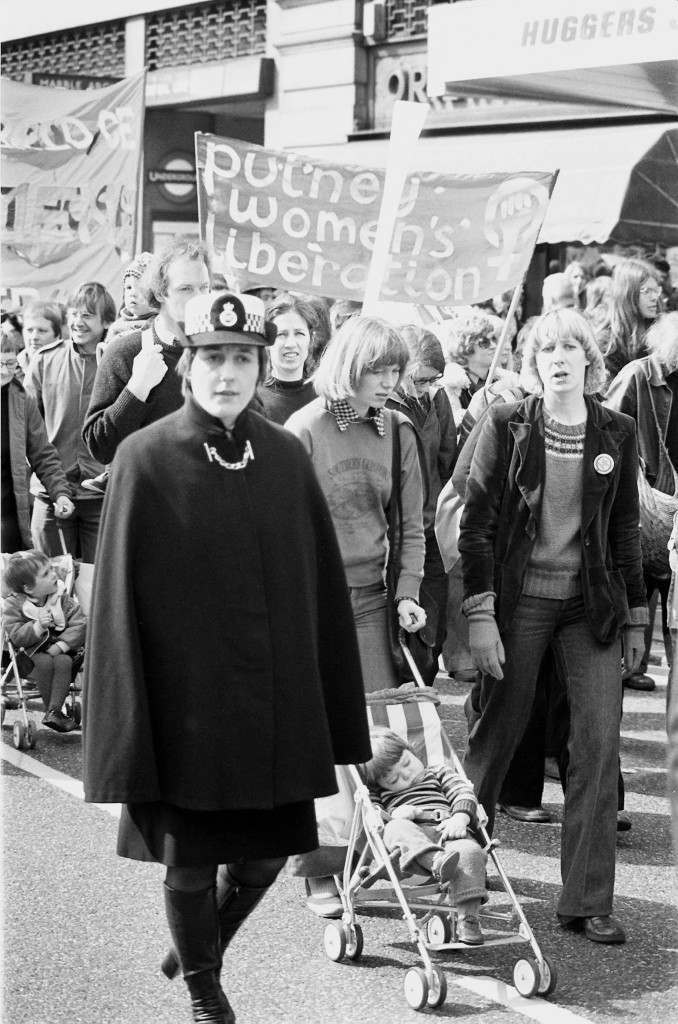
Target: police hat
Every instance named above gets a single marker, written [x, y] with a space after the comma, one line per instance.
[226, 318]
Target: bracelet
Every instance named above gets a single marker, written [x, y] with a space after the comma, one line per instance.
[406, 598]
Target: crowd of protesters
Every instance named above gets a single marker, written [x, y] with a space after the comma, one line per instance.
[230, 462]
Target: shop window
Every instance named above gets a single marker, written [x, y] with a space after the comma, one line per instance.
[206, 32]
[97, 50]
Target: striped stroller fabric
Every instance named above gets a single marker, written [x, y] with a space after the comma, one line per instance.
[413, 714]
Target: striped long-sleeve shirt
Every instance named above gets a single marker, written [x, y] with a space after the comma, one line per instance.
[439, 793]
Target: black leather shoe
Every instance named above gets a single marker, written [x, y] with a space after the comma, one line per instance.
[605, 929]
[535, 815]
[640, 681]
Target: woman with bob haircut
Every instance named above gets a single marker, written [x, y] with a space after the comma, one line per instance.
[222, 676]
[551, 560]
[349, 436]
[634, 303]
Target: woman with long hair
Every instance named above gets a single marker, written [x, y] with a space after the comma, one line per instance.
[634, 304]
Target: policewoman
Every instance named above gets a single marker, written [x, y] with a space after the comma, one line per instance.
[223, 678]
[551, 558]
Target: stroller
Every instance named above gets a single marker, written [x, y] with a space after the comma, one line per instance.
[20, 694]
[411, 711]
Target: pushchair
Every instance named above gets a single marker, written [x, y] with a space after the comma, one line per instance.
[19, 693]
[411, 711]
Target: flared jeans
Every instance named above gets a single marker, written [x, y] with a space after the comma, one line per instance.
[591, 672]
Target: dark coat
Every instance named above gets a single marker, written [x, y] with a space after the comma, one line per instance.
[640, 390]
[222, 667]
[434, 425]
[28, 441]
[503, 506]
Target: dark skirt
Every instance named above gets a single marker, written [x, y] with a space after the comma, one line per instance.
[177, 837]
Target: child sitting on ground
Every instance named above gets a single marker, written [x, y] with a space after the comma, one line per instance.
[49, 624]
[428, 812]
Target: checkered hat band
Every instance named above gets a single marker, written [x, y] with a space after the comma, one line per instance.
[254, 322]
[200, 323]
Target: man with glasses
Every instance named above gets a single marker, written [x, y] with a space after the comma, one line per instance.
[136, 381]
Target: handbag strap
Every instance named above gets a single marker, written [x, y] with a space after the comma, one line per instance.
[395, 508]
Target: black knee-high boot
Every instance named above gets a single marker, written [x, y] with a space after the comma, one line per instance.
[194, 926]
[235, 902]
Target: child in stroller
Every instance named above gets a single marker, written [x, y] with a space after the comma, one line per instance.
[41, 618]
[428, 812]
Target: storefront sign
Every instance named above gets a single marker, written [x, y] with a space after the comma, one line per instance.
[400, 73]
[51, 80]
[282, 219]
[69, 172]
[532, 37]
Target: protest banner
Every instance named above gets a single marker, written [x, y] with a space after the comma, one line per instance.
[70, 168]
[291, 221]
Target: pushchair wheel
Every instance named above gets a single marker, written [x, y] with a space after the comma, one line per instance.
[18, 735]
[437, 988]
[31, 735]
[76, 712]
[334, 940]
[342, 940]
[526, 976]
[438, 930]
[416, 988]
[354, 942]
[548, 978]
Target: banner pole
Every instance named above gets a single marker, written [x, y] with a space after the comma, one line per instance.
[406, 125]
[504, 333]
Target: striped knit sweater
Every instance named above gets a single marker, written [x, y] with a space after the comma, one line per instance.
[553, 569]
[439, 793]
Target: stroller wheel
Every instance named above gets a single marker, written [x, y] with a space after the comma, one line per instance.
[526, 976]
[31, 734]
[77, 712]
[334, 940]
[416, 988]
[354, 942]
[438, 930]
[18, 735]
[548, 978]
[3, 709]
[437, 992]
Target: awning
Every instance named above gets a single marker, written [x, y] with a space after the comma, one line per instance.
[616, 182]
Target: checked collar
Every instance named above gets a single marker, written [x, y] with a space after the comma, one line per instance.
[344, 414]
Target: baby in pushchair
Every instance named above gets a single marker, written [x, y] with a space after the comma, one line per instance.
[428, 812]
[47, 626]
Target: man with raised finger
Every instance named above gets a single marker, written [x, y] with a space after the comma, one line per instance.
[136, 381]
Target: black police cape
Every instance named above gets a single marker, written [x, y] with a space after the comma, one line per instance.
[222, 668]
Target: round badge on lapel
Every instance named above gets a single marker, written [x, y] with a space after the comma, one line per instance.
[603, 464]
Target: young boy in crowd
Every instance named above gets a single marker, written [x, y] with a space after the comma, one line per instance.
[428, 814]
[49, 624]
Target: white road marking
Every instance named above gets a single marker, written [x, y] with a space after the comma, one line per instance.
[66, 783]
[535, 1008]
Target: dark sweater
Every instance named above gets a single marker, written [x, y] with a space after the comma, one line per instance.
[114, 413]
[280, 398]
